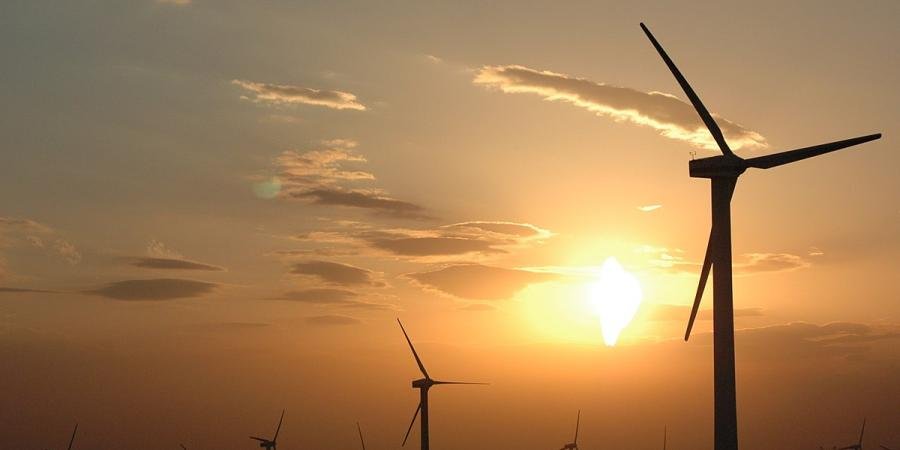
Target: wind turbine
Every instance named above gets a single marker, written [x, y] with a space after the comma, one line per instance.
[361, 440]
[423, 385]
[858, 444]
[723, 171]
[72, 439]
[665, 436]
[574, 444]
[270, 444]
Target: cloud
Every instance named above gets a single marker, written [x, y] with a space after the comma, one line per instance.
[67, 251]
[174, 2]
[665, 113]
[335, 273]
[157, 249]
[332, 320]
[648, 208]
[465, 239]
[332, 297]
[365, 200]
[478, 307]
[173, 264]
[281, 94]
[770, 262]
[18, 232]
[330, 176]
[801, 339]
[154, 289]
[479, 282]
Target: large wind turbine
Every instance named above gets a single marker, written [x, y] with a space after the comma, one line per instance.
[858, 444]
[270, 444]
[574, 444]
[423, 385]
[723, 171]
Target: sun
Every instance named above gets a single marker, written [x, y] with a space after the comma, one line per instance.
[615, 298]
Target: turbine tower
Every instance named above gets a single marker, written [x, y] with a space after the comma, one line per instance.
[267, 443]
[858, 444]
[574, 444]
[423, 385]
[723, 171]
[665, 436]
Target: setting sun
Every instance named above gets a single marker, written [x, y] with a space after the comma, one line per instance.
[615, 298]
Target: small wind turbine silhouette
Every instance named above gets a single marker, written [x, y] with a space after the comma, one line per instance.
[723, 171]
[665, 436]
[72, 439]
[574, 444]
[858, 444]
[266, 443]
[423, 385]
[361, 440]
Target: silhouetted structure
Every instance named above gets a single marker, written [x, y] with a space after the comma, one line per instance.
[270, 444]
[858, 444]
[361, 440]
[72, 439]
[423, 385]
[723, 171]
[665, 436]
[574, 444]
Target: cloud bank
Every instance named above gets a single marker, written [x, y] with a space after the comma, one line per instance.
[336, 273]
[665, 113]
[154, 289]
[479, 282]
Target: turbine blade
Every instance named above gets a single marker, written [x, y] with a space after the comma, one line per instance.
[704, 276]
[861, 431]
[279, 426]
[459, 382]
[777, 159]
[73, 437]
[577, 423]
[711, 124]
[411, 423]
[361, 440]
[259, 439]
[416, 355]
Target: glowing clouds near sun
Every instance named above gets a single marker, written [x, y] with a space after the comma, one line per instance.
[615, 298]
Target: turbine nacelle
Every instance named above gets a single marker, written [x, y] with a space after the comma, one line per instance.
[721, 166]
[423, 383]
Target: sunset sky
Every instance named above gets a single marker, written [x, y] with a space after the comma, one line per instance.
[211, 210]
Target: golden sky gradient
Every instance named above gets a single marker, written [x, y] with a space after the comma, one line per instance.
[213, 210]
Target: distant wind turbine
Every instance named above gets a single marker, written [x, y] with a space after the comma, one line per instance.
[665, 436]
[266, 443]
[723, 171]
[361, 440]
[423, 385]
[858, 445]
[72, 439]
[574, 444]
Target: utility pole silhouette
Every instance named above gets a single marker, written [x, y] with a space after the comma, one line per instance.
[723, 171]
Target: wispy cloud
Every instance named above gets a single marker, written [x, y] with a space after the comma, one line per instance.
[331, 176]
[284, 94]
[480, 282]
[665, 113]
[648, 208]
[341, 298]
[20, 232]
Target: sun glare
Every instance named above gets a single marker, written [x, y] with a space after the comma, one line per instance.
[615, 298]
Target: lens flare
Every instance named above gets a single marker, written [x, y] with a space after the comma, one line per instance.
[615, 298]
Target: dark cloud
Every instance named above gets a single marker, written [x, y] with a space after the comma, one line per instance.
[173, 264]
[154, 289]
[476, 281]
[280, 94]
[332, 320]
[667, 114]
[365, 200]
[335, 273]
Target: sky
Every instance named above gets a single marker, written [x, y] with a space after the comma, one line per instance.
[211, 211]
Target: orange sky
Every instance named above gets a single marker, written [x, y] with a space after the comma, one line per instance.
[211, 211]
